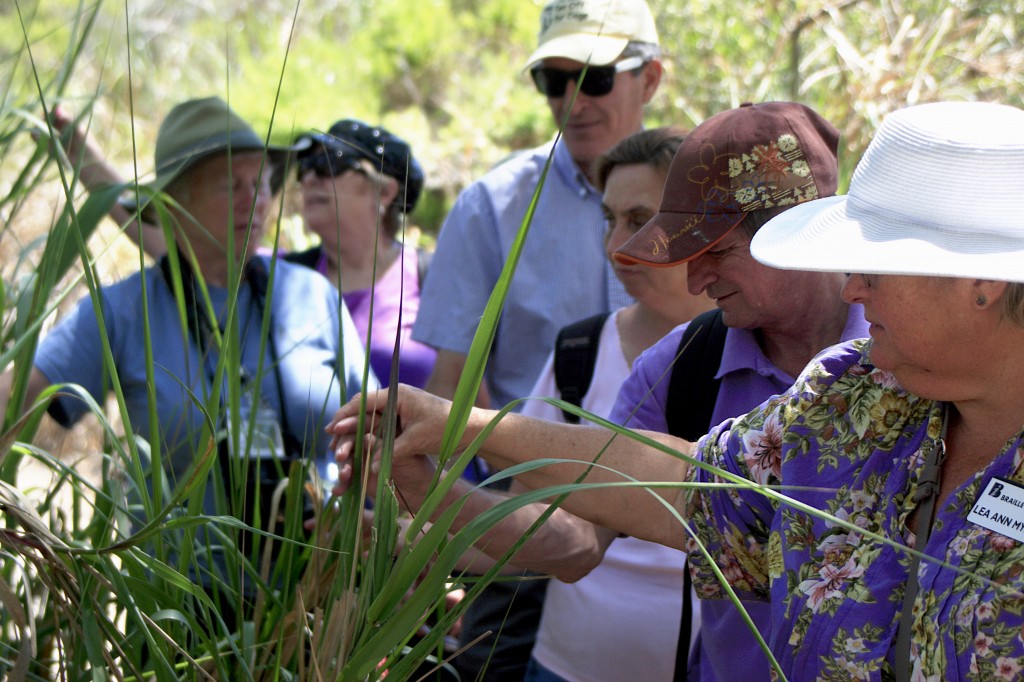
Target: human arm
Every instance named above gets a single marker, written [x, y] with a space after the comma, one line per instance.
[95, 172]
[37, 383]
[564, 546]
[447, 372]
[517, 438]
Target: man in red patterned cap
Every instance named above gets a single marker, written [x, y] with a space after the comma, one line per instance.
[732, 174]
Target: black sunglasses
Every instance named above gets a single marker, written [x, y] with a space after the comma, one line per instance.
[327, 163]
[598, 82]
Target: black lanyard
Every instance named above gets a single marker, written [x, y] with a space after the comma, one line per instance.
[926, 497]
[201, 329]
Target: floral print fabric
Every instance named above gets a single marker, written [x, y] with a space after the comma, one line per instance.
[849, 441]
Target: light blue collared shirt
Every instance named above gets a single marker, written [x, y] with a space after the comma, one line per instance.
[315, 372]
[563, 274]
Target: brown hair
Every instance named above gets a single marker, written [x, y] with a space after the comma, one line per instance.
[655, 147]
[1013, 303]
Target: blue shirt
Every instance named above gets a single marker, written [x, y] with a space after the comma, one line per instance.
[562, 276]
[315, 374]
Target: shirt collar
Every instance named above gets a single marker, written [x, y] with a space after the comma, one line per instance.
[742, 352]
[569, 171]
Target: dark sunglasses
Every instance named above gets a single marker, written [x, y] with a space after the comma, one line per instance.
[327, 163]
[598, 82]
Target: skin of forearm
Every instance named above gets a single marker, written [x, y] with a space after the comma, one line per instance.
[630, 510]
[564, 546]
[648, 513]
[95, 172]
[37, 383]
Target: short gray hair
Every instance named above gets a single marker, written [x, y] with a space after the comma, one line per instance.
[647, 51]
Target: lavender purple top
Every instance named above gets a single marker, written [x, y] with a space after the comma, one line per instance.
[728, 650]
[396, 302]
[748, 377]
[397, 292]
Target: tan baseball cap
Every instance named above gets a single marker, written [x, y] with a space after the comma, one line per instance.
[592, 31]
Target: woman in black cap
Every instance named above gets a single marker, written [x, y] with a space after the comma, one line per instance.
[358, 182]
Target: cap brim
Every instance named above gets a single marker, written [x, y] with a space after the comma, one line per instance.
[594, 50]
[831, 235]
[277, 156]
[672, 238]
[308, 139]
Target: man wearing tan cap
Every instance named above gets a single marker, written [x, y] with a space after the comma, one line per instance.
[617, 42]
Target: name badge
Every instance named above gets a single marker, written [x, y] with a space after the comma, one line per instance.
[1000, 508]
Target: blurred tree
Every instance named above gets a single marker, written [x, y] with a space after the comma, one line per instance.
[447, 74]
[853, 61]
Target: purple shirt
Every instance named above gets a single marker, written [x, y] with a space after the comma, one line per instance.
[847, 440]
[728, 650]
[396, 294]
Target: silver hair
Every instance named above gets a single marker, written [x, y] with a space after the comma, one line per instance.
[647, 51]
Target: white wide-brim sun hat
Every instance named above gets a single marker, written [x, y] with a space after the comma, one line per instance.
[939, 191]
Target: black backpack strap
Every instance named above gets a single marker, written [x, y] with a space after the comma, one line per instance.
[685, 629]
[692, 394]
[693, 389]
[575, 357]
[423, 258]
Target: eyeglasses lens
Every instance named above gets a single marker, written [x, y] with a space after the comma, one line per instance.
[598, 82]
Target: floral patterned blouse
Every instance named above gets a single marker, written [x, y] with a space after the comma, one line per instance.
[849, 441]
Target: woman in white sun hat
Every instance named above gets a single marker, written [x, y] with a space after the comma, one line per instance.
[910, 439]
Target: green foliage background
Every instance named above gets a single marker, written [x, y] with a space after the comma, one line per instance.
[447, 74]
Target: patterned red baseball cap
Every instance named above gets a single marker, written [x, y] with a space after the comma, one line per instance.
[757, 156]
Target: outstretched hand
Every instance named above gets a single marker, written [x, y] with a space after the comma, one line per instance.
[421, 419]
[60, 118]
[62, 121]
